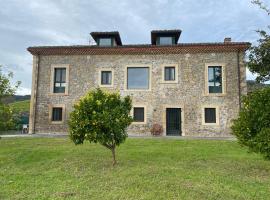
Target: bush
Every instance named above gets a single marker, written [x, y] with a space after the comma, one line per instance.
[156, 130]
[252, 128]
[101, 117]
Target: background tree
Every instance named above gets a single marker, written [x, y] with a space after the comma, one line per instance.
[6, 89]
[101, 117]
[252, 128]
[259, 57]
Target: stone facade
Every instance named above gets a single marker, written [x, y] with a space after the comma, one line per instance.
[189, 93]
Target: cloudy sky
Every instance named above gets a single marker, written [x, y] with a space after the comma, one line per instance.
[25, 23]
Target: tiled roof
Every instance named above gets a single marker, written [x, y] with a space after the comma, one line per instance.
[140, 49]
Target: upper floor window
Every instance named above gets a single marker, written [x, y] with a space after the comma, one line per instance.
[105, 42]
[165, 41]
[215, 79]
[106, 77]
[169, 74]
[138, 78]
[59, 85]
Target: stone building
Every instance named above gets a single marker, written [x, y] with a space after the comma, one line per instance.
[191, 89]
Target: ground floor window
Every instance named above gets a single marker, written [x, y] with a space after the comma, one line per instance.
[57, 114]
[210, 115]
[138, 114]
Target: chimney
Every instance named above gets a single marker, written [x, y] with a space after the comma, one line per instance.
[227, 40]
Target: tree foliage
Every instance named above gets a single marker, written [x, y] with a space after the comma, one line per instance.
[259, 57]
[101, 117]
[6, 89]
[252, 128]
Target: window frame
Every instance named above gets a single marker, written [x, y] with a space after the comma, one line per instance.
[163, 73]
[53, 67]
[145, 113]
[110, 38]
[100, 78]
[51, 106]
[223, 74]
[217, 115]
[172, 40]
[138, 66]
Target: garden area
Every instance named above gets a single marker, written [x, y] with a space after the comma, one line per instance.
[156, 168]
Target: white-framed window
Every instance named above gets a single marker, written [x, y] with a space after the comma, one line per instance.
[210, 115]
[215, 79]
[59, 79]
[138, 77]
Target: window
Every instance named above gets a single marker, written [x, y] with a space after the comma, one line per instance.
[138, 78]
[105, 42]
[165, 41]
[215, 79]
[57, 114]
[106, 77]
[59, 85]
[210, 115]
[169, 73]
[138, 114]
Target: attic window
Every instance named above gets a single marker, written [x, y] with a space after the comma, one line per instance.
[166, 41]
[105, 42]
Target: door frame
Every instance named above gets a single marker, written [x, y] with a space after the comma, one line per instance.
[182, 118]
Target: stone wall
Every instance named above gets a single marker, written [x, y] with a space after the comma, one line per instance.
[188, 93]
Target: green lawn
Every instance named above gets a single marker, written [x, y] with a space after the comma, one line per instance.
[54, 168]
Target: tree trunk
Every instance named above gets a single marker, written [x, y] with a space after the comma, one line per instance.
[113, 154]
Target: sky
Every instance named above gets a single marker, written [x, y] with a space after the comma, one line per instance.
[25, 23]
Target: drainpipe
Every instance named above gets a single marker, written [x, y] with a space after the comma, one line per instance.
[239, 78]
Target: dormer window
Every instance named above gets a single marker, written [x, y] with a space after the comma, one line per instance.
[105, 41]
[165, 37]
[165, 41]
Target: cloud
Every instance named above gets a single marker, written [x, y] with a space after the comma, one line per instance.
[25, 23]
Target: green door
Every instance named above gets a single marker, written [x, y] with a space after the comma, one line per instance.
[173, 121]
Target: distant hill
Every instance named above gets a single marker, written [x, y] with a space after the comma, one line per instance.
[15, 98]
[253, 85]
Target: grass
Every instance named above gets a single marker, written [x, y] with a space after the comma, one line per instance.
[54, 168]
[20, 106]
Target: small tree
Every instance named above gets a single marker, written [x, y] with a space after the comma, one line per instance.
[252, 128]
[259, 57]
[101, 117]
[6, 116]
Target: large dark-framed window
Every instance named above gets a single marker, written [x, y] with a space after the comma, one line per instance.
[138, 78]
[215, 79]
[106, 77]
[210, 115]
[169, 73]
[138, 114]
[59, 84]
[57, 114]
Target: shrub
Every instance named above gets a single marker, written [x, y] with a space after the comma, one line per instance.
[101, 117]
[156, 130]
[252, 128]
